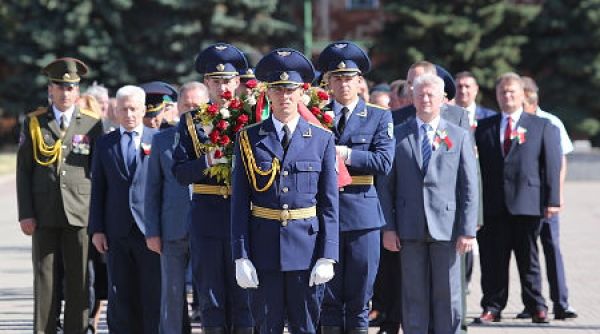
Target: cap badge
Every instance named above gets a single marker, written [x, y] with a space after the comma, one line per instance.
[66, 76]
[341, 45]
[250, 71]
[220, 67]
[284, 76]
[284, 53]
[221, 47]
[341, 65]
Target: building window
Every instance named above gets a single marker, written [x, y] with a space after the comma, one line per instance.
[362, 4]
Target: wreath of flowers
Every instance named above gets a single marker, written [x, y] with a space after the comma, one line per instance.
[222, 125]
[316, 100]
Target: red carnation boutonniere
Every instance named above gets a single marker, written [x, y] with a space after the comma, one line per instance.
[146, 148]
[519, 135]
[474, 125]
[441, 137]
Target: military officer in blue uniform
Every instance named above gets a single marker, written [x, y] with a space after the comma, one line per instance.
[285, 222]
[364, 140]
[224, 306]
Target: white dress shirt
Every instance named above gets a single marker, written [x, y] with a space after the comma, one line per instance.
[435, 123]
[67, 113]
[515, 119]
[291, 125]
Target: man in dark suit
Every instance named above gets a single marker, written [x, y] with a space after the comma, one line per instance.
[117, 224]
[285, 225]
[365, 142]
[53, 192]
[466, 96]
[520, 161]
[430, 201]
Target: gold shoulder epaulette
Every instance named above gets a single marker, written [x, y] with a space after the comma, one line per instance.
[90, 113]
[320, 127]
[38, 111]
[375, 106]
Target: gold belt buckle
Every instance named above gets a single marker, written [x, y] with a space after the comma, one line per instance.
[223, 190]
[284, 216]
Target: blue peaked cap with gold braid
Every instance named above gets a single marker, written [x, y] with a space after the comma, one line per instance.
[221, 60]
[285, 67]
[343, 58]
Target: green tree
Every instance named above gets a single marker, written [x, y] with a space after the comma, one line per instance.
[127, 41]
[564, 58]
[484, 37]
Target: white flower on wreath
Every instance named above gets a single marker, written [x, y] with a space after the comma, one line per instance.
[250, 100]
[330, 113]
[225, 113]
[305, 99]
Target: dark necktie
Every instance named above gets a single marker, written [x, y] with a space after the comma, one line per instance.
[342, 121]
[507, 140]
[63, 124]
[286, 138]
[426, 146]
[131, 152]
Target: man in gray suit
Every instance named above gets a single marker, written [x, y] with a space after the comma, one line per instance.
[430, 201]
[167, 205]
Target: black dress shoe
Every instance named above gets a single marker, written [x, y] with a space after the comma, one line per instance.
[540, 317]
[376, 318]
[524, 315]
[562, 314]
[488, 317]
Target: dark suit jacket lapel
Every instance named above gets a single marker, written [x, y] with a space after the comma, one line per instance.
[436, 153]
[413, 139]
[269, 139]
[301, 133]
[118, 153]
[495, 134]
[358, 116]
[146, 140]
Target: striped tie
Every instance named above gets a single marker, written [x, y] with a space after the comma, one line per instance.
[426, 146]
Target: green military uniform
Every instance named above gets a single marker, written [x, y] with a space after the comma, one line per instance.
[53, 187]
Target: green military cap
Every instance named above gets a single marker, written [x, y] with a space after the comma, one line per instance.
[65, 71]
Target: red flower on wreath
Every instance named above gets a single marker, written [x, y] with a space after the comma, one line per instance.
[243, 119]
[212, 110]
[327, 118]
[305, 86]
[323, 96]
[251, 83]
[214, 136]
[315, 111]
[235, 104]
[226, 95]
[218, 154]
[222, 125]
[224, 140]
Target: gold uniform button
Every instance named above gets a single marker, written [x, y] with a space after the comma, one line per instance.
[285, 206]
[285, 189]
[285, 173]
[63, 173]
[341, 189]
[63, 185]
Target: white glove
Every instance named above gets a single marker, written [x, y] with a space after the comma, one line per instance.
[343, 152]
[322, 272]
[245, 274]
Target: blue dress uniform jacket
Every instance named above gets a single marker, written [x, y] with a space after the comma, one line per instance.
[212, 263]
[369, 133]
[307, 178]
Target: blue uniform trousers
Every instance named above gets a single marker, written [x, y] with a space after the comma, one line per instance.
[555, 269]
[285, 295]
[347, 295]
[222, 302]
[173, 309]
[134, 291]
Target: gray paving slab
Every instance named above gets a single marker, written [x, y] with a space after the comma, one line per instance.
[580, 245]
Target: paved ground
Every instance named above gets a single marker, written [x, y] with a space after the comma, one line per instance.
[580, 233]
